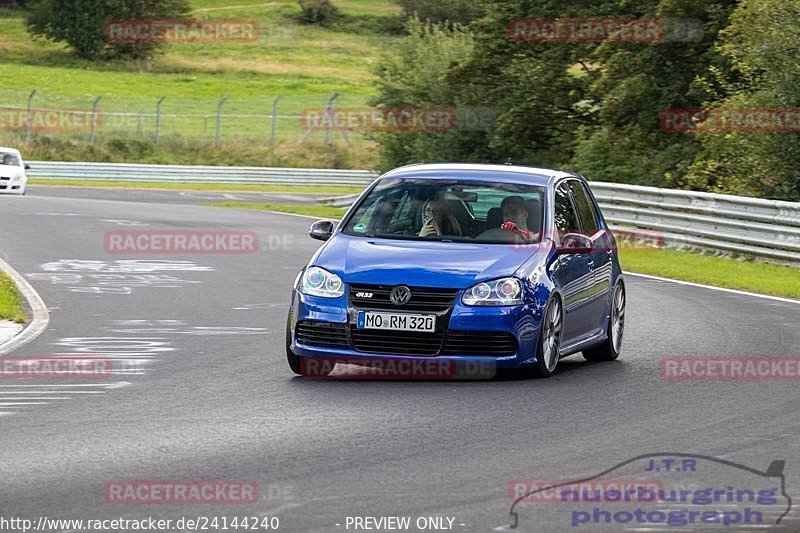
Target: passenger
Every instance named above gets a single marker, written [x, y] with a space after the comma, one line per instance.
[438, 220]
[8, 159]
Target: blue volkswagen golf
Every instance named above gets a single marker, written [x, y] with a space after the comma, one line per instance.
[507, 266]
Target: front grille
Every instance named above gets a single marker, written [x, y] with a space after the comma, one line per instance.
[490, 343]
[322, 334]
[396, 342]
[335, 335]
[423, 299]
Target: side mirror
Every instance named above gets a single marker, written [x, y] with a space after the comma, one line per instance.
[575, 243]
[321, 230]
[27, 166]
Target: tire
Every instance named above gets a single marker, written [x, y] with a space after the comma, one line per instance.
[296, 363]
[611, 347]
[548, 350]
[291, 358]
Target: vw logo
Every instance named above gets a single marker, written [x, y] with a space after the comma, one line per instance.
[400, 295]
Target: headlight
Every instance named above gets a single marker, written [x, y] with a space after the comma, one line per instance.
[505, 291]
[319, 282]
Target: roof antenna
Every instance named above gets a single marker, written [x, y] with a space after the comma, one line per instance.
[508, 161]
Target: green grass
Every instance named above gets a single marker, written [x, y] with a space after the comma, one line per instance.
[196, 186]
[310, 210]
[305, 63]
[11, 302]
[711, 270]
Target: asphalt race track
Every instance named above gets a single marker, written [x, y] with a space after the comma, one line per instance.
[201, 389]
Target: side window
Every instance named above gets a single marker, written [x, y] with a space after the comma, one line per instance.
[566, 219]
[402, 212]
[382, 214]
[589, 221]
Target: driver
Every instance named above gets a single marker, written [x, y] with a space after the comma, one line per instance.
[8, 159]
[438, 220]
[515, 215]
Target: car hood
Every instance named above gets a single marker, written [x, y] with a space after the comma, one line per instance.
[11, 171]
[419, 263]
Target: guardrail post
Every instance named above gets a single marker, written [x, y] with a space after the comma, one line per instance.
[28, 117]
[274, 118]
[158, 118]
[218, 133]
[94, 120]
[328, 116]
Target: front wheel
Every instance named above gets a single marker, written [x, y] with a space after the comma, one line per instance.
[318, 370]
[291, 358]
[549, 349]
[609, 350]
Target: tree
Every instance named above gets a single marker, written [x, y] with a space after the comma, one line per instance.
[596, 106]
[443, 11]
[640, 80]
[81, 23]
[415, 77]
[537, 90]
[317, 10]
[762, 43]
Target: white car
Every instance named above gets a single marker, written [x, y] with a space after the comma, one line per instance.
[12, 172]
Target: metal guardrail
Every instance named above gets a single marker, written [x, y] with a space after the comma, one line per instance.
[733, 225]
[198, 174]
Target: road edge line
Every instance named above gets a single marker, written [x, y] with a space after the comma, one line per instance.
[713, 288]
[40, 315]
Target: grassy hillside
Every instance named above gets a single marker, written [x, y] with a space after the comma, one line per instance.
[303, 62]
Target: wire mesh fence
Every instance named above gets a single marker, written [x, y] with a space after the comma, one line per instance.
[95, 118]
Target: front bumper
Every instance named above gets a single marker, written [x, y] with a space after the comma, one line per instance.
[520, 323]
[12, 185]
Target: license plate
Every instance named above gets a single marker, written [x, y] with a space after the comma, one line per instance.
[396, 321]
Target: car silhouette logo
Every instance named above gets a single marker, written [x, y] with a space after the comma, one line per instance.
[400, 295]
[775, 504]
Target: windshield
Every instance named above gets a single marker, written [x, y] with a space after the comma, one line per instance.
[450, 210]
[8, 158]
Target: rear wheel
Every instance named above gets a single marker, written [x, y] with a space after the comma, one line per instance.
[609, 350]
[549, 350]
